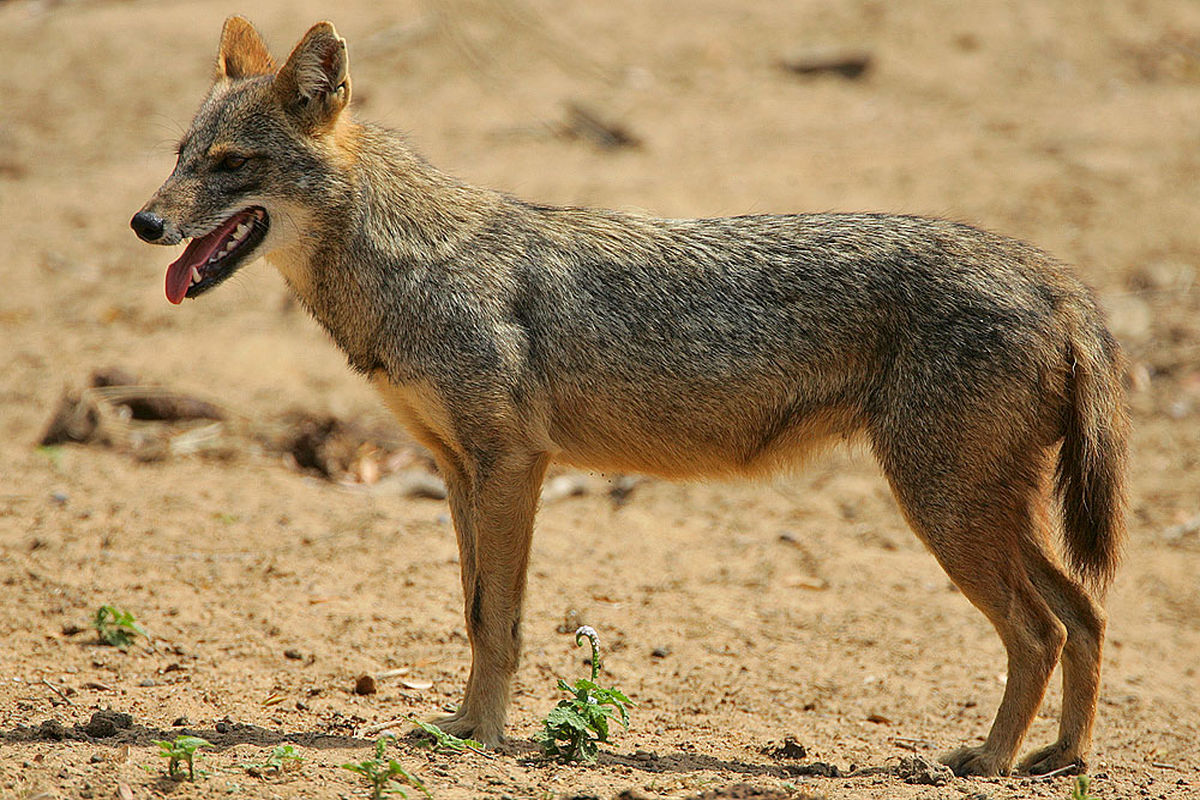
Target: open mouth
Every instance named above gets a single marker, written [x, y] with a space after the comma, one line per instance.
[213, 257]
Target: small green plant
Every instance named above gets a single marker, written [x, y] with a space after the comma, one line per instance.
[443, 742]
[181, 750]
[575, 726]
[283, 758]
[382, 773]
[1080, 790]
[116, 627]
[53, 453]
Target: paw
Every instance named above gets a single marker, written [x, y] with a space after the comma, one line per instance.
[1051, 759]
[465, 726]
[974, 761]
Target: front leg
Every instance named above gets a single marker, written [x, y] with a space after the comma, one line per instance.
[493, 502]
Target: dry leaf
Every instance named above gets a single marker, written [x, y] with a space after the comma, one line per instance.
[807, 582]
[392, 673]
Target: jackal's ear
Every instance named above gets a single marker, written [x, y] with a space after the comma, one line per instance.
[243, 53]
[314, 84]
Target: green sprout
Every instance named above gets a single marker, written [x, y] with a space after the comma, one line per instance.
[182, 750]
[53, 453]
[382, 773]
[1080, 790]
[116, 627]
[443, 742]
[575, 726]
[283, 758]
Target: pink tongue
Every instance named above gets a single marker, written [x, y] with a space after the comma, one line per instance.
[179, 274]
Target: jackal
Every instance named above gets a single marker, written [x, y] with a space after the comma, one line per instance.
[506, 334]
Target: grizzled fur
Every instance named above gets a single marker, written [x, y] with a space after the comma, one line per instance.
[506, 335]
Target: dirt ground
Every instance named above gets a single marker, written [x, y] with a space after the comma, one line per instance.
[734, 615]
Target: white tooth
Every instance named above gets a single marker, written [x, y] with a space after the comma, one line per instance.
[195, 275]
[242, 230]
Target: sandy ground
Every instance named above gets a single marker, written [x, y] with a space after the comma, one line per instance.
[735, 615]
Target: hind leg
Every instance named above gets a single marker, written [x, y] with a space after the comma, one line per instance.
[1085, 622]
[976, 532]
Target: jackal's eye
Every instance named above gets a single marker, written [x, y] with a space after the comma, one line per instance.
[232, 163]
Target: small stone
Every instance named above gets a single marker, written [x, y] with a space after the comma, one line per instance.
[293, 654]
[563, 486]
[180, 722]
[365, 685]
[416, 483]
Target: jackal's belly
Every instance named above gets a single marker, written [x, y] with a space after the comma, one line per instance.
[684, 436]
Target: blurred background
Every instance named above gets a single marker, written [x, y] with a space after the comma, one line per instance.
[1072, 125]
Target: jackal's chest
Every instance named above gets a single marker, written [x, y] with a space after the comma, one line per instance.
[422, 411]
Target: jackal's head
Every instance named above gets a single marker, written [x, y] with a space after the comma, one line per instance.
[260, 152]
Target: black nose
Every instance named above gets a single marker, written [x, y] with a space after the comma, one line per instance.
[148, 226]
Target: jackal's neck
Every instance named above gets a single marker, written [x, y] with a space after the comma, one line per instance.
[392, 214]
[408, 209]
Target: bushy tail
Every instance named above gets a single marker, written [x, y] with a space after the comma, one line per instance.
[1090, 477]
